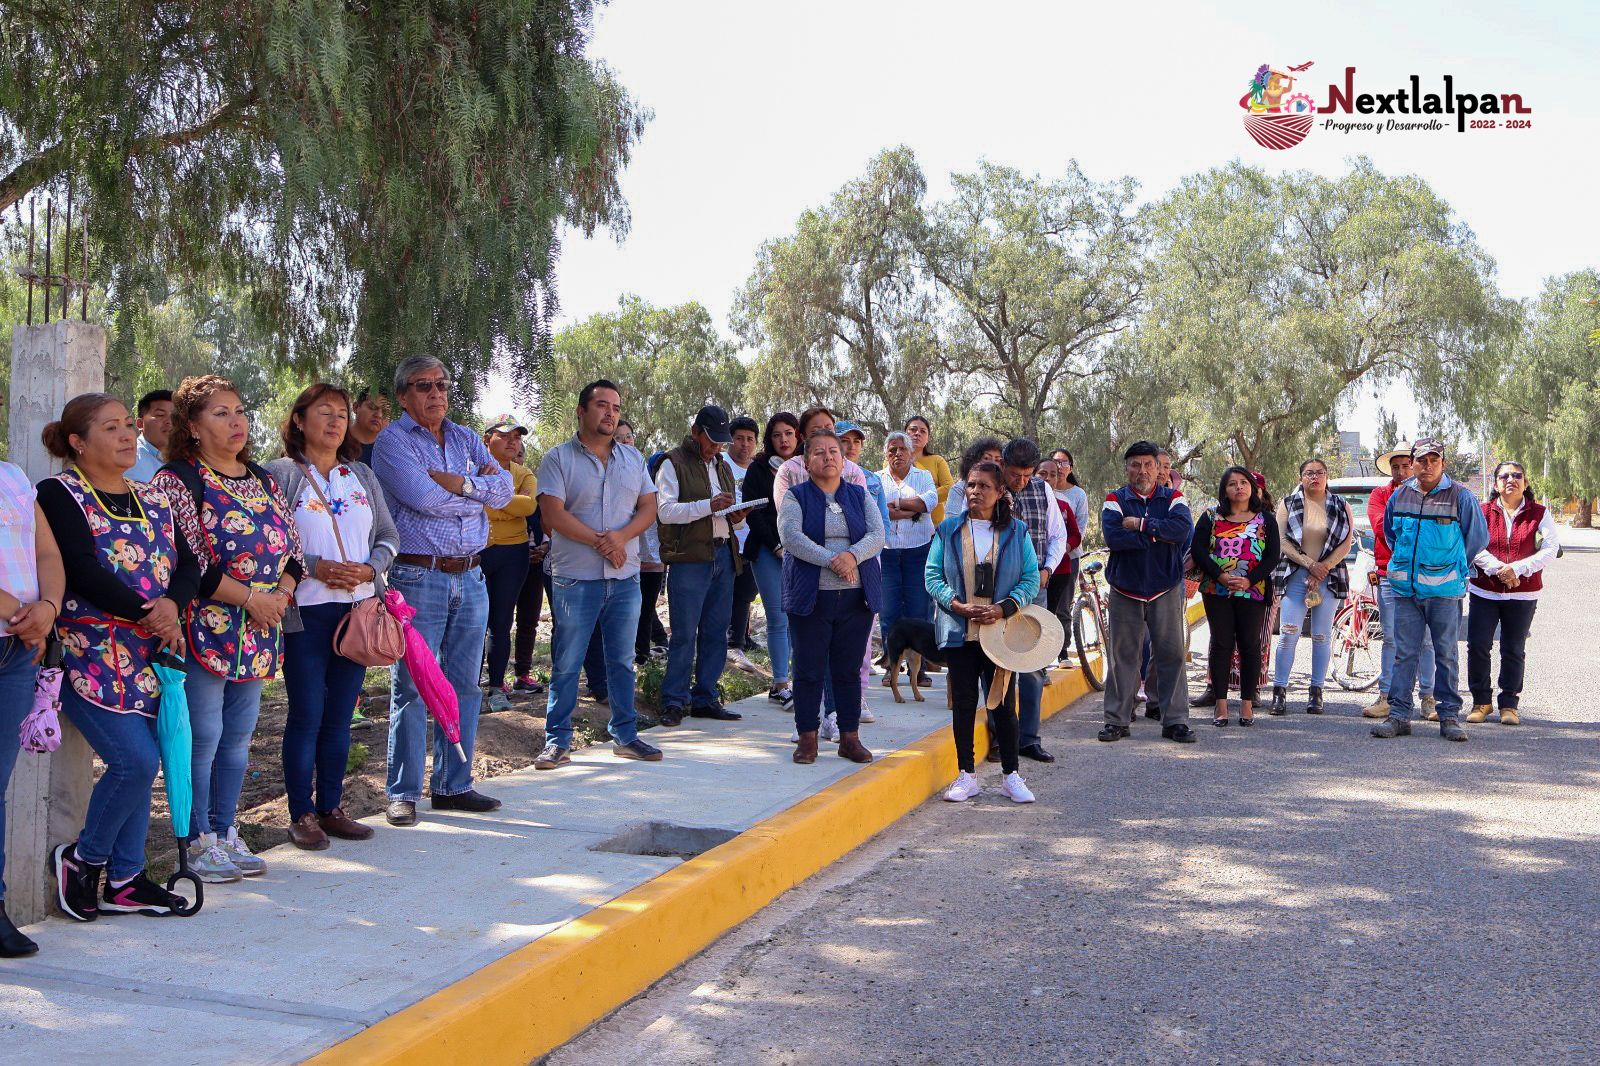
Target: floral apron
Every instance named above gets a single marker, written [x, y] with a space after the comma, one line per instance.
[247, 538]
[107, 659]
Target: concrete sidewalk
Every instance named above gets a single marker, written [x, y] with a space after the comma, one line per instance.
[326, 944]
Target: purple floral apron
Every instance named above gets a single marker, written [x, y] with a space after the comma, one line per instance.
[248, 539]
[107, 659]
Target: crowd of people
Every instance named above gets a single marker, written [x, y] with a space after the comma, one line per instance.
[163, 542]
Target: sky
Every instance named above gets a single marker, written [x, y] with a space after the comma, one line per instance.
[763, 109]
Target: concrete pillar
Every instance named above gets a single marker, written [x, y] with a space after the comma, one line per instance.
[45, 804]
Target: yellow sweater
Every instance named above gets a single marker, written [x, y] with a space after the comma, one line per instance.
[509, 524]
[935, 465]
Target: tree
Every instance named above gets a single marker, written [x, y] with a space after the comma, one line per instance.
[668, 362]
[1271, 297]
[839, 310]
[1546, 403]
[1042, 274]
[389, 175]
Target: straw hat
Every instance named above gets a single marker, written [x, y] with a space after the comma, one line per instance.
[1027, 641]
[1382, 461]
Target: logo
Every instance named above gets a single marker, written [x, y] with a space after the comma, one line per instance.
[1276, 116]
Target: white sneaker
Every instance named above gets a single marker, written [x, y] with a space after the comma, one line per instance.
[1014, 788]
[794, 737]
[249, 863]
[740, 661]
[829, 730]
[866, 713]
[210, 863]
[963, 788]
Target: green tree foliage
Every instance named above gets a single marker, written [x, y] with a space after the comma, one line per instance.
[840, 311]
[667, 361]
[388, 175]
[1270, 297]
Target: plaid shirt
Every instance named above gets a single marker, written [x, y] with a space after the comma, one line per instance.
[431, 520]
[19, 570]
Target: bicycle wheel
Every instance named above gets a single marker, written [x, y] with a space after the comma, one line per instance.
[1357, 651]
[1090, 637]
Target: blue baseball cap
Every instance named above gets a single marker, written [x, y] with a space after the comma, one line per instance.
[847, 426]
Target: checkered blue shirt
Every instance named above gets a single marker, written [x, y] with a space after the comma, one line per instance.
[432, 521]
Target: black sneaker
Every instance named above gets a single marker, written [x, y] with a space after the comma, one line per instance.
[1153, 710]
[671, 717]
[140, 896]
[716, 711]
[1110, 733]
[637, 750]
[602, 698]
[783, 695]
[77, 883]
[471, 800]
[1179, 734]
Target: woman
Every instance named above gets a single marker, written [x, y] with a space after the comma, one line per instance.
[921, 433]
[832, 587]
[792, 471]
[652, 575]
[505, 560]
[349, 540]
[911, 497]
[1236, 549]
[1067, 488]
[1315, 533]
[982, 450]
[1062, 590]
[31, 584]
[982, 546]
[763, 549]
[130, 578]
[1507, 578]
[234, 519]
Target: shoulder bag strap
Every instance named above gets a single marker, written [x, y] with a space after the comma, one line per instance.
[333, 519]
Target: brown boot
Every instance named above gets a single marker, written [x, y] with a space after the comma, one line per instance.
[339, 824]
[1430, 709]
[806, 750]
[1508, 716]
[1479, 712]
[850, 747]
[307, 834]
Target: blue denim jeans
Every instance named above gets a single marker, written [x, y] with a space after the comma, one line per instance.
[769, 579]
[118, 819]
[1293, 618]
[16, 701]
[1425, 663]
[905, 586]
[578, 609]
[452, 613]
[699, 605]
[322, 687]
[222, 715]
[1436, 619]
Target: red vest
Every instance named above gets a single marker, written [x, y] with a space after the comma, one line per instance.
[1510, 545]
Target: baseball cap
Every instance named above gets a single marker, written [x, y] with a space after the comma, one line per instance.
[507, 423]
[847, 426]
[1426, 445]
[713, 422]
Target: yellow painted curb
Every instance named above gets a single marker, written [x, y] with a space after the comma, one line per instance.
[545, 993]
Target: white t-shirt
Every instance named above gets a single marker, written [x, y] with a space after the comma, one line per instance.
[347, 496]
[982, 538]
[742, 530]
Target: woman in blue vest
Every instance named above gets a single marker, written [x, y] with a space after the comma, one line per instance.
[832, 587]
[981, 569]
[129, 577]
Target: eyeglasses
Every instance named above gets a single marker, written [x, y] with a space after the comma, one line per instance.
[1511, 475]
[1315, 473]
[441, 385]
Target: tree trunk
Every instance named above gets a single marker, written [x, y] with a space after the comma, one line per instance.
[1584, 519]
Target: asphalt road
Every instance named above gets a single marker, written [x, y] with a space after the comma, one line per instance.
[1297, 892]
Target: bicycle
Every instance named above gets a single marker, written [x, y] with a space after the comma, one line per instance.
[1089, 624]
[1357, 636]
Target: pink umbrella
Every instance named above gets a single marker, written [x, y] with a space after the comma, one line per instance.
[437, 693]
[41, 730]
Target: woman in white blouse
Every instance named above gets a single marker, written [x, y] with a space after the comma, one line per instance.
[349, 541]
[911, 495]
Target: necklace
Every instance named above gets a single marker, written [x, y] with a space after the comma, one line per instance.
[129, 499]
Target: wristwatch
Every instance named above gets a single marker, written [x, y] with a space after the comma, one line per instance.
[466, 486]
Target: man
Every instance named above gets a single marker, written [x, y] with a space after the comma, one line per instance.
[1033, 501]
[1397, 464]
[740, 452]
[596, 499]
[438, 478]
[1433, 526]
[698, 549]
[1170, 476]
[371, 418]
[154, 412]
[1147, 529]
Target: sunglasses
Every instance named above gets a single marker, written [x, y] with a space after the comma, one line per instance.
[439, 385]
[1510, 475]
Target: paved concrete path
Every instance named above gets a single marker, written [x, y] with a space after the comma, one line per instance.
[1294, 892]
[327, 943]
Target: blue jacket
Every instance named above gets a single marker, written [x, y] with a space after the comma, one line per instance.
[1435, 537]
[800, 578]
[1147, 561]
[1016, 575]
[875, 487]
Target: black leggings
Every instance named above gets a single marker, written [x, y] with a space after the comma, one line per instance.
[1235, 624]
[1060, 598]
[530, 605]
[505, 568]
[649, 594]
[1515, 618]
[968, 665]
[744, 594]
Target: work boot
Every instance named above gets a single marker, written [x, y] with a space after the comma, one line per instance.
[1479, 712]
[1314, 705]
[1379, 707]
[1509, 716]
[1430, 709]
[1205, 699]
[1450, 729]
[850, 747]
[1280, 706]
[1390, 728]
[805, 749]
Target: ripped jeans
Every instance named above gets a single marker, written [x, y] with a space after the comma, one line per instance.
[1292, 619]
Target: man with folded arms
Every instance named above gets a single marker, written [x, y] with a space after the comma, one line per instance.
[438, 478]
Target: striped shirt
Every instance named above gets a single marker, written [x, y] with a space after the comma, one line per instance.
[430, 519]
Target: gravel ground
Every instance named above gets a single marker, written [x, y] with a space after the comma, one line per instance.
[1298, 892]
